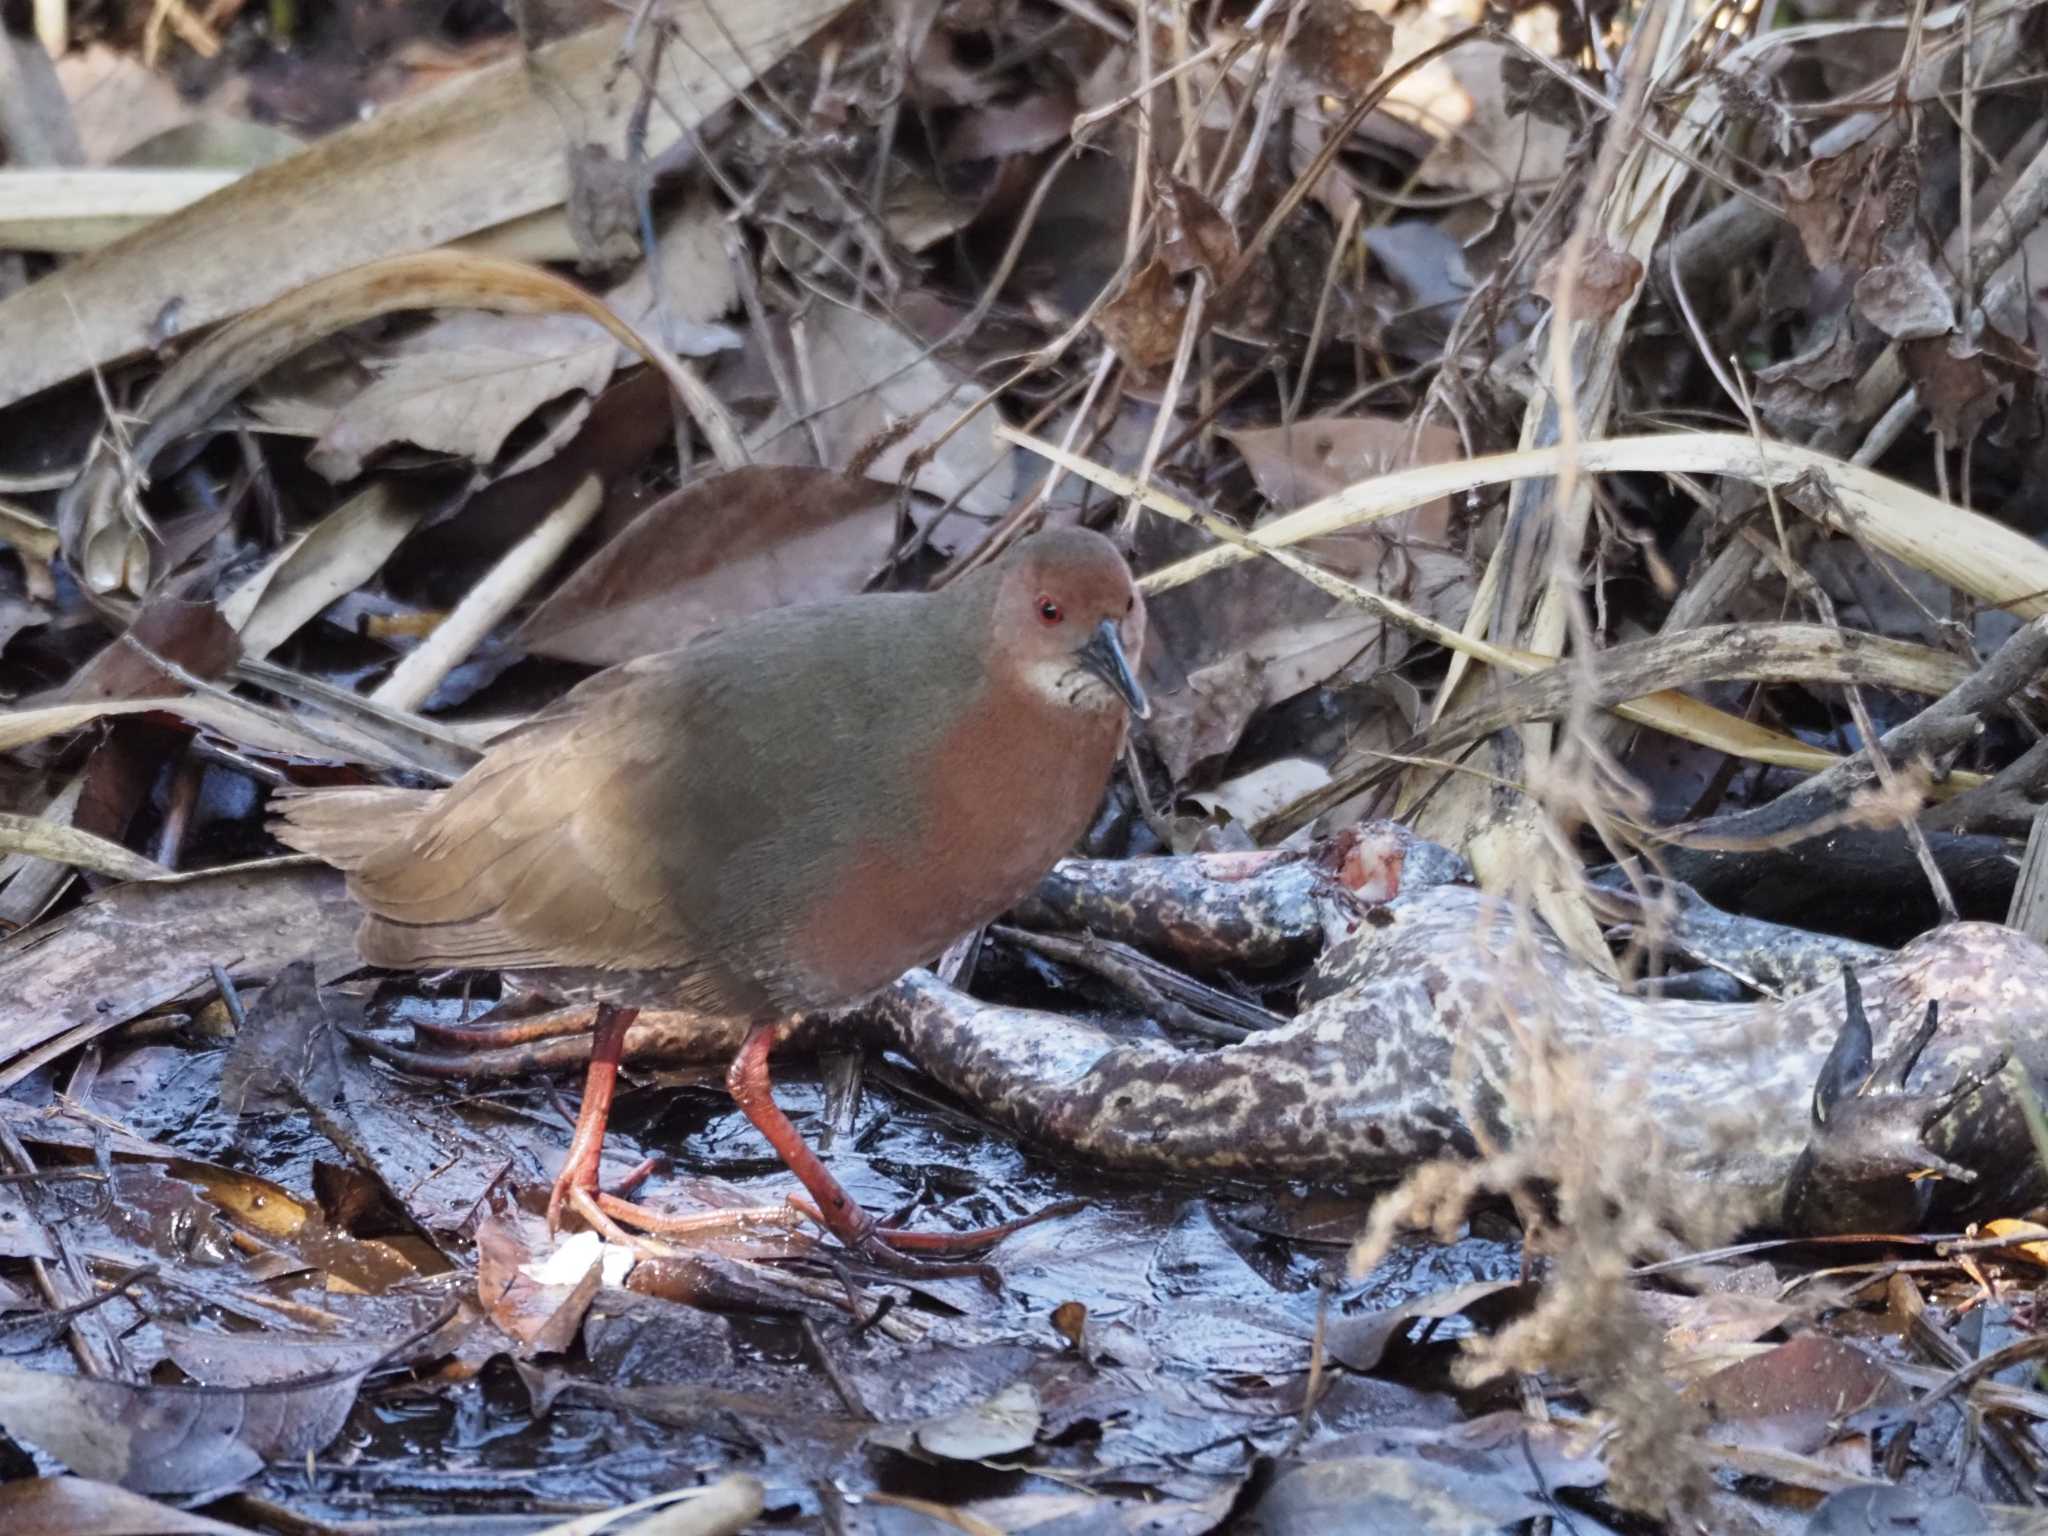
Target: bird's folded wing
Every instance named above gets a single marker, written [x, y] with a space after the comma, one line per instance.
[537, 858]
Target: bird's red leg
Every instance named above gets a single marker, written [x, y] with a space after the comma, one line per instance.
[586, 1147]
[748, 1082]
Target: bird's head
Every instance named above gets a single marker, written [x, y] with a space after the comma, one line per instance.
[1069, 622]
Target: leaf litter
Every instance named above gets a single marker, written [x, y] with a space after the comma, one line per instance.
[1257, 263]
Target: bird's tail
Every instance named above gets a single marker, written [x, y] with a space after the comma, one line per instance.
[345, 826]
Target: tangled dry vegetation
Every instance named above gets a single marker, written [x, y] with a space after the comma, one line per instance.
[368, 377]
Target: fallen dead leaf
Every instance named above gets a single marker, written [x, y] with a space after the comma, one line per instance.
[78, 1506]
[1144, 321]
[879, 398]
[727, 546]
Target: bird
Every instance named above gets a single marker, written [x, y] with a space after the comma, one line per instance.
[778, 818]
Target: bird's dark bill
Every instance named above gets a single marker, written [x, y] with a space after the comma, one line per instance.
[1104, 656]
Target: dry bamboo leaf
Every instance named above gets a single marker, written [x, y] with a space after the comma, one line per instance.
[1966, 549]
[242, 723]
[27, 532]
[78, 210]
[29, 886]
[333, 557]
[61, 844]
[465, 383]
[1638, 679]
[488, 147]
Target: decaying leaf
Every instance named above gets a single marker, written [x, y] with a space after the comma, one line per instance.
[1602, 280]
[1261, 634]
[1193, 234]
[730, 545]
[160, 1439]
[1839, 205]
[1491, 1473]
[462, 385]
[881, 397]
[1002, 1425]
[1963, 386]
[1793, 1398]
[77, 1506]
[543, 1314]
[1906, 298]
[136, 946]
[1144, 321]
[1339, 46]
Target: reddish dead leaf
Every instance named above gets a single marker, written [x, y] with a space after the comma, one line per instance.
[1193, 235]
[1838, 205]
[1256, 634]
[1791, 1398]
[760, 537]
[1962, 385]
[1603, 281]
[1144, 322]
[544, 1317]
[1339, 47]
[1321, 455]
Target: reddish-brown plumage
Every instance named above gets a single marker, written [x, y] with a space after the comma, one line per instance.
[781, 817]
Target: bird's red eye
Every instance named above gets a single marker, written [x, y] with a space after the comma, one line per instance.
[1049, 610]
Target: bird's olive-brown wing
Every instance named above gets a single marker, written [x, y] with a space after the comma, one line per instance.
[543, 855]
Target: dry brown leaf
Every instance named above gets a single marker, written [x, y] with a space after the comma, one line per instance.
[1461, 102]
[170, 1439]
[880, 398]
[333, 557]
[1905, 298]
[1144, 321]
[1837, 204]
[1193, 235]
[463, 385]
[1319, 456]
[544, 1317]
[78, 1506]
[1602, 281]
[1023, 127]
[100, 528]
[1340, 47]
[1961, 385]
[1809, 394]
[117, 101]
[734, 544]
